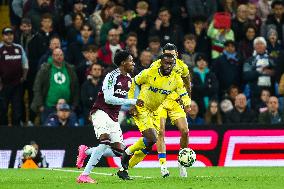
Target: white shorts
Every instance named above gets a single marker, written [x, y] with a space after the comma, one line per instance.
[103, 124]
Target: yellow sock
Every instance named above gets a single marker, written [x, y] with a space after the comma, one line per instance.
[162, 158]
[139, 145]
[136, 158]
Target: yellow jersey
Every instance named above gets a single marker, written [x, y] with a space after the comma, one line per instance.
[154, 87]
[180, 68]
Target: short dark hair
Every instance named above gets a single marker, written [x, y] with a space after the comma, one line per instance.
[118, 10]
[86, 24]
[190, 37]
[54, 37]
[154, 38]
[276, 2]
[78, 14]
[162, 9]
[90, 48]
[229, 42]
[46, 16]
[169, 47]
[120, 56]
[131, 34]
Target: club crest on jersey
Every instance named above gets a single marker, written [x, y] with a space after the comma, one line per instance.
[17, 51]
[119, 84]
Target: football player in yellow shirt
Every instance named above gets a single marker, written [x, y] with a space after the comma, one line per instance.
[156, 84]
[175, 112]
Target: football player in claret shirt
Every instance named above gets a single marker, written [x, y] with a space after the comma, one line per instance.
[156, 85]
[104, 115]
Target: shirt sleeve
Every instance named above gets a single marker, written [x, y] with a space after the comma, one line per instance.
[134, 90]
[185, 70]
[108, 90]
[182, 92]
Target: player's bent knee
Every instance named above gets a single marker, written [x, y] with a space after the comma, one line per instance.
[105, 139]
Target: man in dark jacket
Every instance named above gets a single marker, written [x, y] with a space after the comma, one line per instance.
[56, 79]
[240, 113]
[272, 116]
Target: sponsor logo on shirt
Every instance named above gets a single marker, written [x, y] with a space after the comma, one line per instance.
[121, 92]
[157, 90]
[13, 57]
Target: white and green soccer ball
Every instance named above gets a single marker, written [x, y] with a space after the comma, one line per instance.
[186, 157]
[29, 151]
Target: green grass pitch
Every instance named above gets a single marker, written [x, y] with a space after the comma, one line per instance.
[213, 177]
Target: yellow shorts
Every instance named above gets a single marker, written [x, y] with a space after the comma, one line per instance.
[146, 119]
[174, 113]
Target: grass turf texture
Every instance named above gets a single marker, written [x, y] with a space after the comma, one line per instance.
[213, 177]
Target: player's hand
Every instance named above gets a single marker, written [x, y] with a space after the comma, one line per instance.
[187, 109]
[140, 102]
[133, 111]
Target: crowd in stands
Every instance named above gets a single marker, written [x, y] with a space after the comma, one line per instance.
[62, 50]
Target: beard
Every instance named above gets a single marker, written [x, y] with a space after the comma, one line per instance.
[44, 7]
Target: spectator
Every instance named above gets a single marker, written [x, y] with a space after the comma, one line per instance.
[188, 54]
[141, 23]
[275, 20]
[106, 53]
[54, 43]
[40, 43]
[168, 31]
[90, 53]
[55, 79]
[154, 46]
[263, 9]
[281, 85]
[273, 46]
[193, 118]
[245, 47]
[218, 38]
[74, 53]
[229, 60]
[272, 116]
[232, 92]
[258, 71]
[38, 9]
[213, 115]
[62, 118]
[99, 17]
[131, 45]
[240, 113]
[24, 35]
[252, 16]
[78, 8]
[145, 60]
[204, 84]
[226, 106]
[13, 72]
[90, 89]
[238, 23]
[205, 8]
[73, 31]
[116, 23]
[229, 6]
[199, 29]
[263, 101]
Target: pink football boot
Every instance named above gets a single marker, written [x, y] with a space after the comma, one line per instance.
[86, 179]
[81, 156]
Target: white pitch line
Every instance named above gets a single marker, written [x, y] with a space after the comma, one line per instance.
[96, 173]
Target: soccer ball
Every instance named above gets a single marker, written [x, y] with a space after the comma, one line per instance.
[186, 157]
[29, 151]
